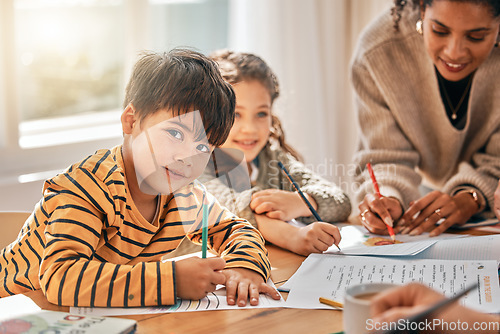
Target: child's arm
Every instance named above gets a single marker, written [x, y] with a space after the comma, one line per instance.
[282, 204]
[333, 205]
[313, 238]
[72, 274]
[243, 284]
[238, 242]
[91, 256]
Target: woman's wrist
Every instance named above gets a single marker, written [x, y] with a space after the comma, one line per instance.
[467, 203]
[475, 197]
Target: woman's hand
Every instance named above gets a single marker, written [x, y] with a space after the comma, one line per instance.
[425, 213]
[376, 213]
[410, 299]
[281, 204]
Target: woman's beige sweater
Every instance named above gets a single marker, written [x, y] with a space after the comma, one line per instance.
[405, 132]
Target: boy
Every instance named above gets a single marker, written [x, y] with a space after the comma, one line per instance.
[97, 236]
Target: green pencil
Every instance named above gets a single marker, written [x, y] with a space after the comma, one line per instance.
[204, 231]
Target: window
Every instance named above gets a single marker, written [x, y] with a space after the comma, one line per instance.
[64, 65]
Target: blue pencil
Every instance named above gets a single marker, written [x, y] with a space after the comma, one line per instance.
[301, 194]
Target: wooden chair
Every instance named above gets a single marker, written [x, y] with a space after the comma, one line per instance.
[10, 225]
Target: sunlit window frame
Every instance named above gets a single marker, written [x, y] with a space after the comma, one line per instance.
[20, 150]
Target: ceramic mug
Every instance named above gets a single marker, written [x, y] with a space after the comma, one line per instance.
[357, 306]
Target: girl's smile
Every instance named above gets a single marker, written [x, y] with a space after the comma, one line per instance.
[252, 124]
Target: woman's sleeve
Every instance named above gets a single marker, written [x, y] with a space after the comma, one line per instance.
[481, 173]
[382, 143]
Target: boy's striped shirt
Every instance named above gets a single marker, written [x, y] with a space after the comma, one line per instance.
[86, 244]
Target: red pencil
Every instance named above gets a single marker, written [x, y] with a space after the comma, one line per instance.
[377, 190]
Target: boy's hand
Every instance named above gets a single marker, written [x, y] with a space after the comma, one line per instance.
[242, 283]
[314, 238]
[195, 277]
[281, 204]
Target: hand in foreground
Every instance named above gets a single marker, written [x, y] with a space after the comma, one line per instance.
[195, 277]
[281, 204]
[424, 214]
[376, 213]
[497, 201]
[243, 284]
[405, 301]
[316, 237]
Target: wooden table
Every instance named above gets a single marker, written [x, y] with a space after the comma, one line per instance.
[273, 320]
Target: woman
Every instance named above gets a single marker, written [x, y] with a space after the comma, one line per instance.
[428, 101]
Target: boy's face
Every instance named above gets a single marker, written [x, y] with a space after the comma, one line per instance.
[169, 151]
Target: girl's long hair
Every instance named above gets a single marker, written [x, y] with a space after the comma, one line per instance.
[239, 66]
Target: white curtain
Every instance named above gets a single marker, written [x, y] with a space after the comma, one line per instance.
[309, 43]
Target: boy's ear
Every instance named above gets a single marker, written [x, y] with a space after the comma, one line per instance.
[128, 119]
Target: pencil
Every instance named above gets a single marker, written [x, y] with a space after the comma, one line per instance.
[204, 231]
[377, 190]
[330, 302]
[301, 194]
[439, 306]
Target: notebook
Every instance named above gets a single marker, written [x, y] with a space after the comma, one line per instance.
[62, 322]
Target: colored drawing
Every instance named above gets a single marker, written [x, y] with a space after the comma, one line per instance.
[379, 241]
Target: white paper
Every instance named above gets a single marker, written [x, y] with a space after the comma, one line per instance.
[322, 275]
[214, 301]
[17, 305]
[355, 237]
[485, 247]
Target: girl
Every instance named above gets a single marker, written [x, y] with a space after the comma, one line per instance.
[257, 132]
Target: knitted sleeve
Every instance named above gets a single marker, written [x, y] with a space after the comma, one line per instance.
[333, 204]
[482, 173]
[382, 143]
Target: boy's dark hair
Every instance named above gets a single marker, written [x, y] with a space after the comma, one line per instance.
[240, 66]
[183, 80]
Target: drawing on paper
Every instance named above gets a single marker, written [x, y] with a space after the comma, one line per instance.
[379, 241]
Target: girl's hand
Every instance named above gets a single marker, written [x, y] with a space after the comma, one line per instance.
[243, 284]
[281, 204]
[314, 238]
[423, 214]
[376, 213]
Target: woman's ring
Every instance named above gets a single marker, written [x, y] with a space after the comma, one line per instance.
[438, 212]
[364, 213]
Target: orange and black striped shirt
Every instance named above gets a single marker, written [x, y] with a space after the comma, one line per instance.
[86, 244]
